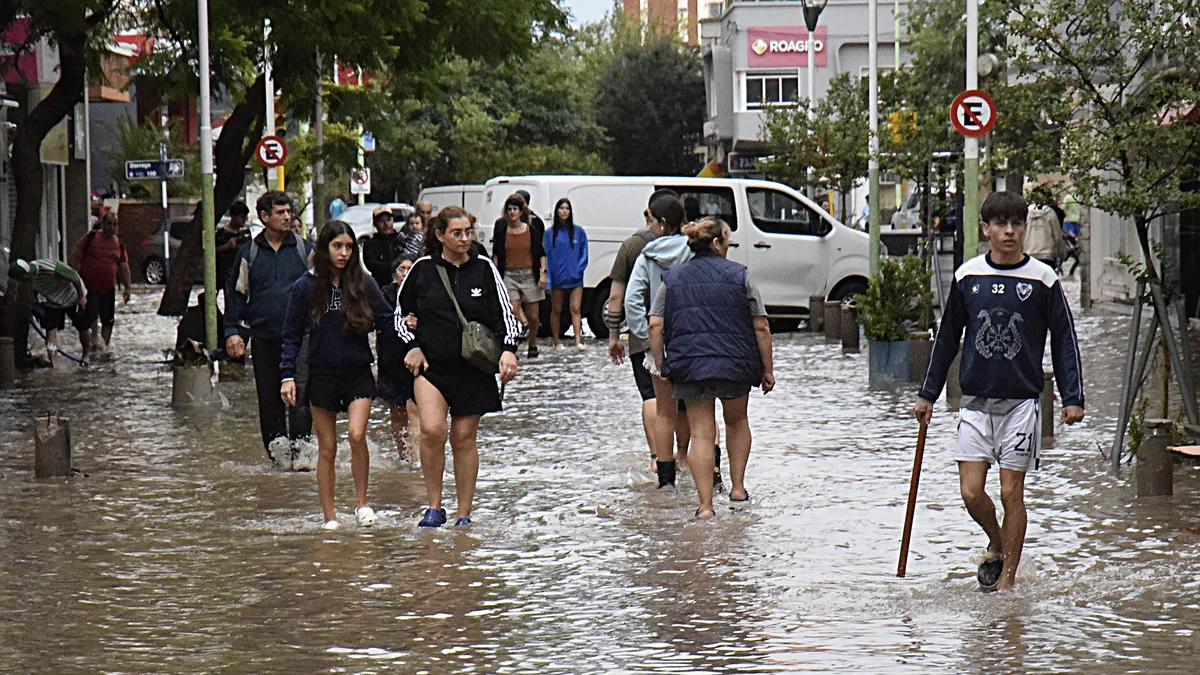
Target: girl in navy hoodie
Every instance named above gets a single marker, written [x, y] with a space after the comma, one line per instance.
[339, 303]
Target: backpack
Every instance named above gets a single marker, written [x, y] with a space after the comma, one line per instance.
[87, 244]
[301, 250]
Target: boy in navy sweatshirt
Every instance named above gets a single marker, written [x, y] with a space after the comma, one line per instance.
[1006, 302]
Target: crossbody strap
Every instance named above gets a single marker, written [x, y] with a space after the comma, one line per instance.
[446, 282]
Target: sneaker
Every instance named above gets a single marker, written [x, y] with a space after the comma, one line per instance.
[560, 347]
[532, 353]
[666, 473]
[365, 516]
[989, 571]
[331, 525]
[462, 522]
[580, 347]
[433, 518]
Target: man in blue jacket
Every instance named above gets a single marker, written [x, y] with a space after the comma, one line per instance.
[256, 298]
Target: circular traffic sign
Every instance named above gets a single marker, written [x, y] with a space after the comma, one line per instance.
[271, 151]
[973, 113]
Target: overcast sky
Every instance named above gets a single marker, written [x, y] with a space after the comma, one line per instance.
[587, 11]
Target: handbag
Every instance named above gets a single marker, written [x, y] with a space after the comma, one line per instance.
[480, 347]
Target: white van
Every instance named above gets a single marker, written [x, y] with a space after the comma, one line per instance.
[794, 248]
[469, 197]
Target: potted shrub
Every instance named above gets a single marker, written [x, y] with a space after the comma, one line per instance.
[896, 302]
[193, 377]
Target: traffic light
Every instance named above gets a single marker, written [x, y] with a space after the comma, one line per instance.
[901, 122]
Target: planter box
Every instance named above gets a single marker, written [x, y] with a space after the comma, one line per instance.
[887, 363]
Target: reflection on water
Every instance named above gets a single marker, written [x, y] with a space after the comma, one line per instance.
[183, 551]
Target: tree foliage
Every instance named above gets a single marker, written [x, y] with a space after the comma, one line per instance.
[1132, 145]
[651, 102]
[831, 137]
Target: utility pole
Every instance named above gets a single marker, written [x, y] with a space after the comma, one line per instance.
[873, 142]
[319, 168]
[269, 87]
[896, 40]
[971, 145]
[208, 232]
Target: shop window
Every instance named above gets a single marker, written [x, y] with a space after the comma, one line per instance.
[771, 89]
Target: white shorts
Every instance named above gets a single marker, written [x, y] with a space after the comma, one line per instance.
[1013, 440]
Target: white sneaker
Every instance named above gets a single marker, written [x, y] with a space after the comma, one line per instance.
[331, 525]
[365, 515]
[560, 347]
[581, 347]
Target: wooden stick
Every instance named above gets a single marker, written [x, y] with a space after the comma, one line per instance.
[912, 500]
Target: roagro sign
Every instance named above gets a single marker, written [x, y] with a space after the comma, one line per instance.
[784, 46]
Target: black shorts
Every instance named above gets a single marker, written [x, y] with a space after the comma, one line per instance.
[641, 376]
[467, 390]
[645, 383]
[394, 388]
[100, 305]
[335, 391]
[55, 318]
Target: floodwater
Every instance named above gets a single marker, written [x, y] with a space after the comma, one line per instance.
[180, 550]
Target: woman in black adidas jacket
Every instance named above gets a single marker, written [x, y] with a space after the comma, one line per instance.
[444, 380]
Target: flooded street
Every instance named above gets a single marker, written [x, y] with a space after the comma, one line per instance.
[184, 551]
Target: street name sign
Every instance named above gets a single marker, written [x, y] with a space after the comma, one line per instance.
[142, 169]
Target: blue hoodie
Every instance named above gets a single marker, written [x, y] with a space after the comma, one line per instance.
[565, 260]
[331, 347]
[659, 257]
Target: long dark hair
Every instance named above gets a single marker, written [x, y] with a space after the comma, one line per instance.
[357, 314]
[559, 223]
[433, 245]
[669, 210]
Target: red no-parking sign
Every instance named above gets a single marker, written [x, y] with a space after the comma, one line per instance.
[271, 151]
[973, 113]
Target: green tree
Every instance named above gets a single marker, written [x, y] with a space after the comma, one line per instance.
[388, 38]
[78, 28]
[831, 137]
[1129, 71]
[651, 103]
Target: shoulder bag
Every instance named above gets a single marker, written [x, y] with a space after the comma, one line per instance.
[480, 347]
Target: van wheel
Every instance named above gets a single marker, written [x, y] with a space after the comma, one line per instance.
[846, 290]
[594, 310]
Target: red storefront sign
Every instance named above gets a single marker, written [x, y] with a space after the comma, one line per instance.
[784, 47]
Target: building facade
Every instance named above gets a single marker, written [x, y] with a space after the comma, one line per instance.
[664, 16]
[755, 57]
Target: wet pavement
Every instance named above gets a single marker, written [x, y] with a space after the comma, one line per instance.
[183, 551]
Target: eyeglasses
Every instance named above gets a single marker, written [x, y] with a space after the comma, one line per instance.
[459, 234]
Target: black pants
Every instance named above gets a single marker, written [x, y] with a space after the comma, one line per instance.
[267, 376]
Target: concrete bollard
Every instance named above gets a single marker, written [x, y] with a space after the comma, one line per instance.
[1155, 465]
[954, 384]
[8, 364]
[52, 447]
[920, 349]
[833, 321]
[816, 313]
[849, 325]
[1046, 402]
[194, 386]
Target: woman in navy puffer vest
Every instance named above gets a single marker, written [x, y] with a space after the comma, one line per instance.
[709, 336]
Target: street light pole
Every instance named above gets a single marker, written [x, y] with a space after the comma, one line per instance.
[873, 142]
[971, 145]
[812, 14]
[208, 234]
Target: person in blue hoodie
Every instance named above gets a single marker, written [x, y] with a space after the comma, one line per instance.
[566, 247]
[658, 257]
[339, 304]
